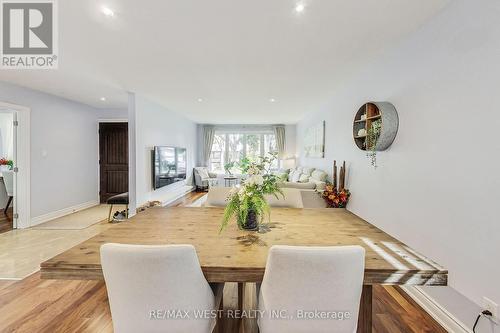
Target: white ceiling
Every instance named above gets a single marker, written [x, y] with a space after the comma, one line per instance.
[235, 55]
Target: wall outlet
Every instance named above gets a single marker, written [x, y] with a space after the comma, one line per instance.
[491, 306]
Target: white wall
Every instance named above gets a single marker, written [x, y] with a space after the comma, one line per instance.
[157, 126]
[63, 149]
[437, 188]
[111, 114]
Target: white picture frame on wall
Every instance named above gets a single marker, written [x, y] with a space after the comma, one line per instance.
[314, 140]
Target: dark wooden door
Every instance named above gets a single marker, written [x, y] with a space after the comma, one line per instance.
[113, 159]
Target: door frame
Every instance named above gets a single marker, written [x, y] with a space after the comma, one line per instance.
[99, 121]
[22, 182]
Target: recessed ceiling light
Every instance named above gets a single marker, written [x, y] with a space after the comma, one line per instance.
[103, 99]
[200, 100]
[107, 11]
[299, 8]
[272, 100]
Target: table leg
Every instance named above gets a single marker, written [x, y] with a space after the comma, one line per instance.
[241, 295]
[241, 300]
[365, 310]
[109, 215]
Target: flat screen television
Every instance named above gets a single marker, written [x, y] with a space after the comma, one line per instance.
[169, 165]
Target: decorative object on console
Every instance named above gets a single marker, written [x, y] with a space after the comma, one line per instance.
[336, 197]
[228, 166]
[248, 202]
[6, 164]
[314, 141]
[335, 173]
[342, 176]
[377, 130]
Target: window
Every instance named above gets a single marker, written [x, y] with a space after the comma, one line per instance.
[235, 147]
[253, 146]
[218, 153]
[232, 147]
[271, 147]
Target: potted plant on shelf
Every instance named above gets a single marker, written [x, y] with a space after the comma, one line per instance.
[228, 166]
[372, 136]
[247, 202]
[6, 165]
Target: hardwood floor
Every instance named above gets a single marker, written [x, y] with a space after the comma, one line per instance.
[6, 220]
[187, 199]
[35, 305]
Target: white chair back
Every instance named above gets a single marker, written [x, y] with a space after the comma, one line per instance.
[292, 199]
[8, 180]
[299, 278]
[217, 196]
[141, 279]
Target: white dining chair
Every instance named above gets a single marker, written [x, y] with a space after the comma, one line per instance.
[8, 180]
[291, 198]
[299, 278]
[144, 282]
[217, 196]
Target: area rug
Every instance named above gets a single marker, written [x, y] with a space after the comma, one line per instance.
[311, 199]
[80, 220]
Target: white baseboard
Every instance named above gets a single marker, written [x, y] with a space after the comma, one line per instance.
[182, 191]
[62, 212]
[436, 311]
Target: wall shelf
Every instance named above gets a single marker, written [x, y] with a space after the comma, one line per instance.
[376, 111]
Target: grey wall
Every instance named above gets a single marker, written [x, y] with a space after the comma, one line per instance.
[63, 149]
[437, 187]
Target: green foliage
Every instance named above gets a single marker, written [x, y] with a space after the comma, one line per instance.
[251, 195]
[228, 166]
[372, 136]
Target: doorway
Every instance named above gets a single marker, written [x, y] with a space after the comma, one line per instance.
[113, 159]
[8, 120]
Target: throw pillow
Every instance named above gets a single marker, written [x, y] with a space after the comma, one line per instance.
[303, 178]
[296, 177]
[203, 173]
[307, 171]
[319, 175]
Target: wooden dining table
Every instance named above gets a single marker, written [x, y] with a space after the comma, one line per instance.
[235, 255]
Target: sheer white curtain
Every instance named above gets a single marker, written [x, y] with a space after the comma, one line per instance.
[208, 141]
[279, 133]
[6, 135]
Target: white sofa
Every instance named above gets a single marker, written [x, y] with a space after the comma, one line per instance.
[305, 178]
[217, 197]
